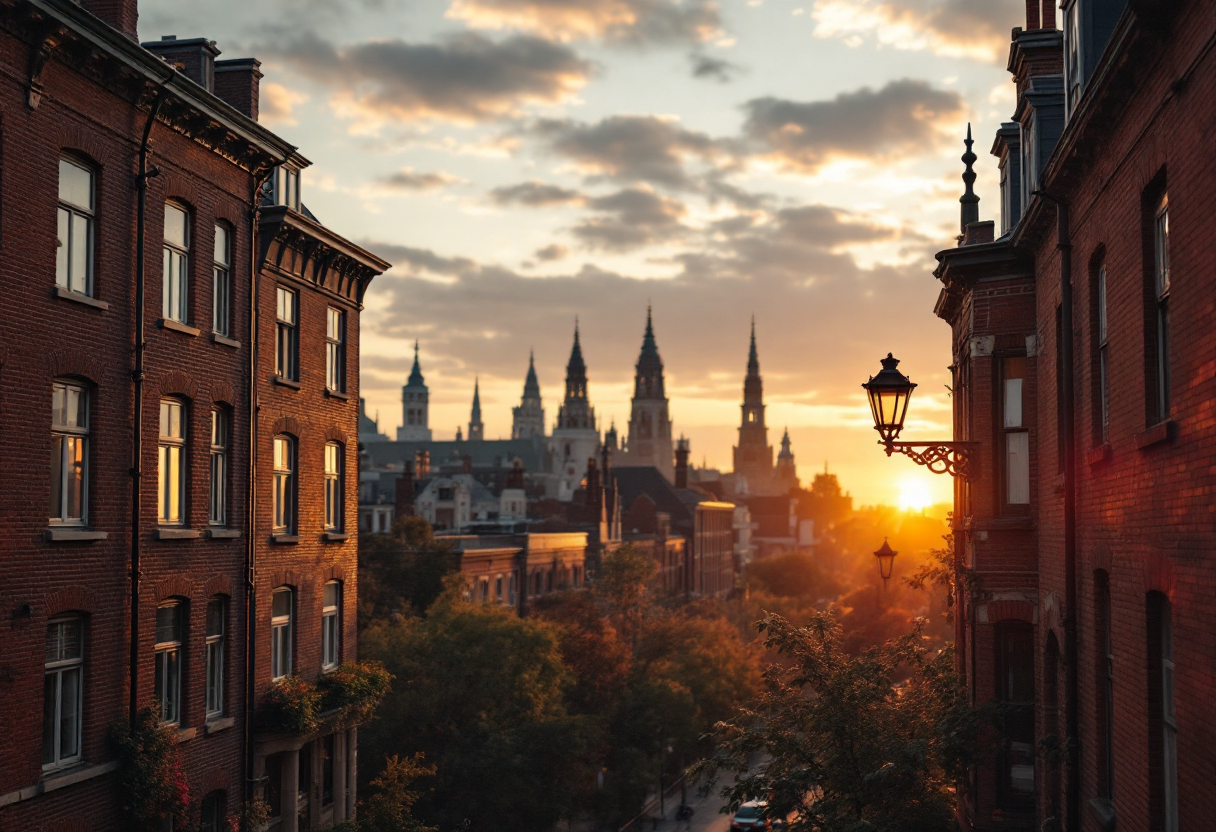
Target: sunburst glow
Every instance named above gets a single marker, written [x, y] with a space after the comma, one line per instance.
[915, 493]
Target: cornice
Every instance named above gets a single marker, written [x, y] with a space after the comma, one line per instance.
[308, 251]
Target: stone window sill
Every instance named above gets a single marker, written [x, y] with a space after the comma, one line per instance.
[283, 381]
[335, 537]
[57, 779]
[1098, 455]
[64, 293]
[178, 534]
[178, 326]
[1157, 434]
[217, 724]
[186, 734]
[223, 534]
[284, 539]
[335, 394]
[225, 341]
[74, 535]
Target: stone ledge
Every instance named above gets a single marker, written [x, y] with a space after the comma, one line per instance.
[64, 293]
[335, 537]
[177, 326]
[284, 539]
[1158, 433]
[178, 534]
[1098, 455]
[75, 535]
[54, 780]
[223, 534]
[186, 734]
[283, 381]
[222, 723]
[225, 341]
[336, 394]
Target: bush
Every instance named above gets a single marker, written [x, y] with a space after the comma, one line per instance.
[154, 785]
[355, 690]
[289, 706]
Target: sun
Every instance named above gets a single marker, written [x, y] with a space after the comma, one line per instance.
[914, 493]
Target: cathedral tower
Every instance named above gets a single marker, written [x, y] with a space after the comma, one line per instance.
[753, 455]
[649, 442]
[787, 472]
[576, 438]
[415, 406]
[477, 430]
[528, 420]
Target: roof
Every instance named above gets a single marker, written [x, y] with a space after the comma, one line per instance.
[679, 503]
[532, 452]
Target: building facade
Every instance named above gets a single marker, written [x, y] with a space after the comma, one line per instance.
[1083, 346]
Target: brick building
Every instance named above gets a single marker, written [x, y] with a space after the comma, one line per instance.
[1083, 349]
[110, 150]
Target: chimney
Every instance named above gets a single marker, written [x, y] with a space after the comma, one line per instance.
[238, 83]
[122, 15]
[682, 463]
[404, 504]
[515, 479]
[1049, 14]
[1032, 14]
[194, 57]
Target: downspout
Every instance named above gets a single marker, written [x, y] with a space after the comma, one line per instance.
[1068, 388]
[137, 378]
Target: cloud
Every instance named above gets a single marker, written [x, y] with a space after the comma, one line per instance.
[904, 118]
[976, 29]
[628, 148]
[407, 179]
[277, 103]
[462, 78]
[552, 252]
[616, 21]
[630, 219]
[535, 194]
[708, 68]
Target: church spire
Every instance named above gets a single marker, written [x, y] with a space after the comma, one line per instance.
[970, 201]
[753, 360]
[576, 370]
[477, 429]
[416, 379]
[648, 380]
[531, 385]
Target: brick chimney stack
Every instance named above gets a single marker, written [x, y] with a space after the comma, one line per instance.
[122, 15]
[682, 463]
[194, 57]
[238, 82]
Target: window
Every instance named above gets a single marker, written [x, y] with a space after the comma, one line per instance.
[62, 697]
[171, 475]
[169, 637]
[213, 813]
[1030, 160]
[327, 749]
[284, 484]
[1072, 56]
[1106, 684]
[285, 188]
[221, 286]
[1015, 687]
[1163, 736]
[498, 589]
[219, 467]
[1103, 372]
[331, 633]
[335, 350]
[281, 614]
[1017, 437]
[1161, 286]
[69, 453]
[175, 302]
[286, 344]
[74, 255]
[214, 655]
[333, 487]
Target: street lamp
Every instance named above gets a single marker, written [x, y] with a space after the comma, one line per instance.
[889, 393]
[886, 560]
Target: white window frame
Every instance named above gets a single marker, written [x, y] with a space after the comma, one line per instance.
[1161, 291]
[331, 625]
[335, 349]
[220, 437]
[333, 487]
[1103, 358]
[221, 285]
[282, 625]
[70, 441]
[171, 471]
[287, 329]
[175, 302]
[1073, 74]
[214, 655]
[169, 654]
[57, 666]
[1030, 160]
[76, 231]
[283, 502]
[1016, 435]
[285, 188]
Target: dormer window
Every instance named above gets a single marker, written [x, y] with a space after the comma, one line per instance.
[1030, 159]
[1072, 57]
[284, 188]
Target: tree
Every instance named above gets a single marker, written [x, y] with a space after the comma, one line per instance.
[391, 807]
[850, 749]
[403, 572]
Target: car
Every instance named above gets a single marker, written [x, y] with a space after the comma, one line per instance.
[751, 817]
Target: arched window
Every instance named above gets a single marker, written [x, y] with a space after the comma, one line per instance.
[69, 453]
[282, 619]
[284, 503]
[63, 698]
[333, 487]
[74, 255]
[175, 301]
[213, 812]
[331, 626]
[171, 470]
[170, 638]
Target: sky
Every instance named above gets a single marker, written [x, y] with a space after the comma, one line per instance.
[527, 163]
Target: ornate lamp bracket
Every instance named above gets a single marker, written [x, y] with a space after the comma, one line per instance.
[957, 459]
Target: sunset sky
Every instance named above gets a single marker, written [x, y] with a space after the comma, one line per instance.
[524, 162]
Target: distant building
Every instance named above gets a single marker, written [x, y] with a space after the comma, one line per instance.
[415, 406]
[576, 438]
[369, 428]
[649, 442]
[528, 419]
[477, 429]
[517, 569]
[754, 473]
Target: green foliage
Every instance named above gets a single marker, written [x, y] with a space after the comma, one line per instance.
[404, 572]
[792, 575]
[849, 748]
[154, 786]
[289, 706]
[391, 807]
[355, 690]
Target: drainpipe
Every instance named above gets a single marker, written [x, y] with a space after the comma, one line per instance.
[137, 379]
[1068, 387]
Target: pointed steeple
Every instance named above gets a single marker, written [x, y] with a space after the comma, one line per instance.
[970, 202]
[531, 385]
[648, 380]
[576, 370]
[477, 398]
[416, 379]
[528, 419]
[753, 360]
[476, 427]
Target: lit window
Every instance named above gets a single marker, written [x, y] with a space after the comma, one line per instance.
[333, 487]
[331, 633]
[219, 467]
[335, 350]
[74, 254]
[169, 637]
[175, 302]
[1161, 275]
[69, 453]
[214, 656]
[286, 344]
[221, 291]
[281, 610]
[62, 698]
[171, 474]
[284, 484]
[1017, 437]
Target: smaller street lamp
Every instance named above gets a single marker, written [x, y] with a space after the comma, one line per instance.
[889, 393]
[886, 560]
